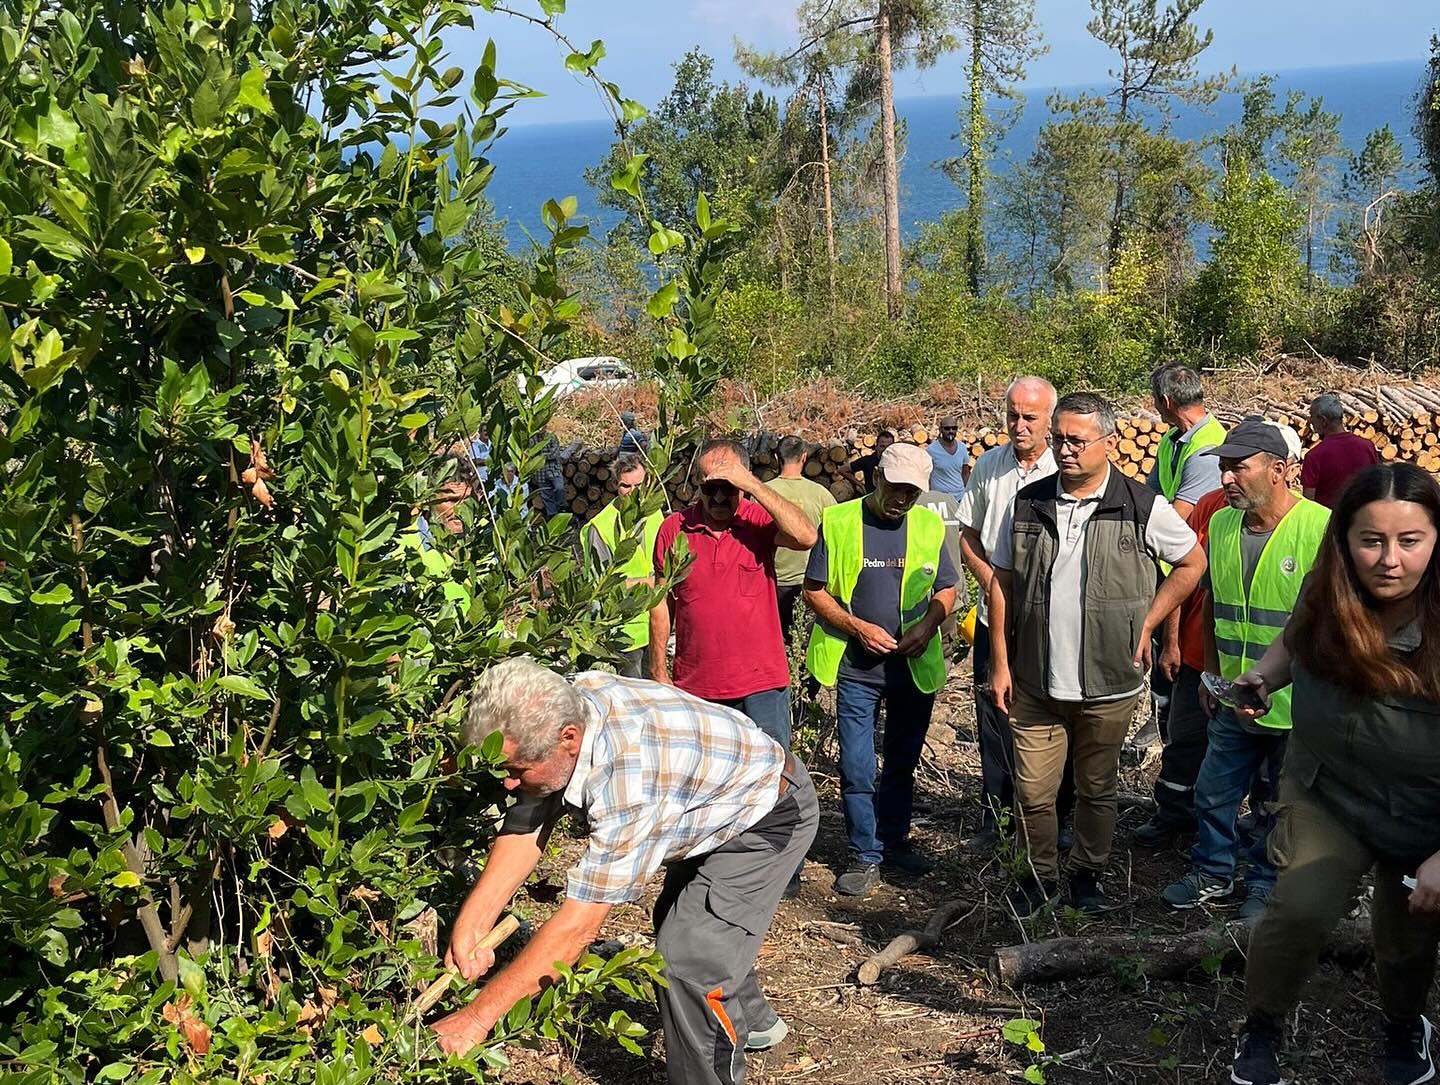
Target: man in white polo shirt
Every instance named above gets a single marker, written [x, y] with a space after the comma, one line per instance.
[989, 494]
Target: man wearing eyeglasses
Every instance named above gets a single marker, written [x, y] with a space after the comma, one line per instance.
[728, 647]
[1073, 606]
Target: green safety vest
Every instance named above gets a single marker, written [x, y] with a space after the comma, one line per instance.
[641, 564]
[844, 533]
[1172, 469]
[1246, 625]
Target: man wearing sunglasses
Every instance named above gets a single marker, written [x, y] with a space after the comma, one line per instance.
[723, 608]
[1073, 606]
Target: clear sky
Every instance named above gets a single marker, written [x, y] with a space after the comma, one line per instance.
[644, 38]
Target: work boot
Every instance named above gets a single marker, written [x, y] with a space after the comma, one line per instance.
[1028, 896]
[1256, 1061]
[1157, 833]
[859, 878]
[1086, 894]
[905, 858]
[1256, 897]
[1065, 838]
[1406, 1059]
[765, 1039]
[1196, 889]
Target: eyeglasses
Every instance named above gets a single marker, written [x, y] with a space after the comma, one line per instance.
[1074, 444]
[718, 488]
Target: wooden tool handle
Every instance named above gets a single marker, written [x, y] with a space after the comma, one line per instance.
[436, 991]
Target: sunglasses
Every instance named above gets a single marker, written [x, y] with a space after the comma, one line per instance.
[718, 489]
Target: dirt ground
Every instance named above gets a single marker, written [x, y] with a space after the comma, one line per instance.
[939, 1017]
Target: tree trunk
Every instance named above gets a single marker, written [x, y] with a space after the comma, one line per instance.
[974, 233]
[891, 169]
[824, 93]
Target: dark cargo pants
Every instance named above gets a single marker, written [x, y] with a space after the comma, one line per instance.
[1185, 733]
[710, 919]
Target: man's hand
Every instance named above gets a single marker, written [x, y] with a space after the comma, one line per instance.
[461, 1032]
[875, 639]
[1143, 654]
[1002, 692]
[916, 639]
[1425, 897]
[1170, 660]
[734, 472]
[465, 954]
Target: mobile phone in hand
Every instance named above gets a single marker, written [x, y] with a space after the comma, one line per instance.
[1232, 696]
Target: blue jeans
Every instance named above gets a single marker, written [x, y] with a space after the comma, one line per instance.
[1231, 761]
[879, 817]
[768, 710]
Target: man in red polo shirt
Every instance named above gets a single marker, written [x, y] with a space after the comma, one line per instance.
[728, 647]
[1338, 456]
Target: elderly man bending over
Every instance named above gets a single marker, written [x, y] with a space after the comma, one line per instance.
[660, 778]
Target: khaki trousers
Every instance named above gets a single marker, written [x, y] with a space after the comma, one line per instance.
[1045, 730]
[1321, 864]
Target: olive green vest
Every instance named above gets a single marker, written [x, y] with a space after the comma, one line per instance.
[606, 524]
[844, 532]
[1172, 466]
[1246, 623]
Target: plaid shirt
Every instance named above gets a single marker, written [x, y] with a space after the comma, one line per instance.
[661, 776]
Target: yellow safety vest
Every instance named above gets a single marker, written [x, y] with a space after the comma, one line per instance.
[844, 532]
[1246, 623]
[641, 564]
[1172, 467]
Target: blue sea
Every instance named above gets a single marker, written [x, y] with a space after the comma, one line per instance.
[541, 162]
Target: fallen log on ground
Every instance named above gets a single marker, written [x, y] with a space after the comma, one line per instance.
[1155, 956]
[907, 943]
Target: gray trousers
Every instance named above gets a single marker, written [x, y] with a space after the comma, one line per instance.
[710, 919]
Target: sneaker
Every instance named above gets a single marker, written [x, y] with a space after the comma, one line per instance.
[1029, 896]
[1147, 736]
[859, 878]
[1156, 833]
[1406, 1059]
[1256, 897]
[1086, 894]
[765, 1039]
[987, 839]
[1256, 1061]
[907, 859]
[1196, 889]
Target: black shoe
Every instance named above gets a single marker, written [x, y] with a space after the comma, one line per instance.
[987, 839]
[792, 888]
[1086, 894]
[905, 858]
[1029, 896]
[1256, 1061]
[1066, 839]
[1406, 1059]
[858, 879]
[1158, 834]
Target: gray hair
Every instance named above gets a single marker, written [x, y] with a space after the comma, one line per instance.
[624, 463]
[1328, 407]
[1033, 382]
[725, 444]
[527, 703]
[1089, 403]
[1178, 383]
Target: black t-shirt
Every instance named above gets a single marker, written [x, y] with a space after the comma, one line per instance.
[876, 598]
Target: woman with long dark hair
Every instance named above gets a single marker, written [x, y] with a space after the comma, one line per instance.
[1361, 784]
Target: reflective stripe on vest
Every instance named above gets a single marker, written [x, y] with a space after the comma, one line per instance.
[1171, 469]
[844, 532]
[1246, 624]
[639, 565]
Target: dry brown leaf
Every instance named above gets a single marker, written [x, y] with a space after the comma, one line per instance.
[57, 885]
[365, 893]
[264, 944]
[223, 626]
[328, 995]
[372, 1036]
[278, 828]
[262, 494]
[197, 1032]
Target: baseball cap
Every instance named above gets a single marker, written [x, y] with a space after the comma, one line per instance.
[906, 465]
[1252, 435]
[1292, 441]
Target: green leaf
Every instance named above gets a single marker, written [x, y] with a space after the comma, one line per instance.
[252, 93]
[195, 254]
[246, 687]
[1035, 1075]
[1018, 1031]
[451, 218]
[161, 738]
[126, 879]
[553, 7]
[5, 257]
[627, 178]
[192, 976]
[56, 128]
[582, 63]
[60, 593]
[662, 302]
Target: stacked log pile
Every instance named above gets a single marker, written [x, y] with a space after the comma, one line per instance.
[1403, 421]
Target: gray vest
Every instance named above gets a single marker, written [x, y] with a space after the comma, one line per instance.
[1120, 578]
[1373, 761]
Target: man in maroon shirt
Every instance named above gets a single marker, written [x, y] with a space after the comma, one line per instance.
[1329, 465]
[728, 647]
